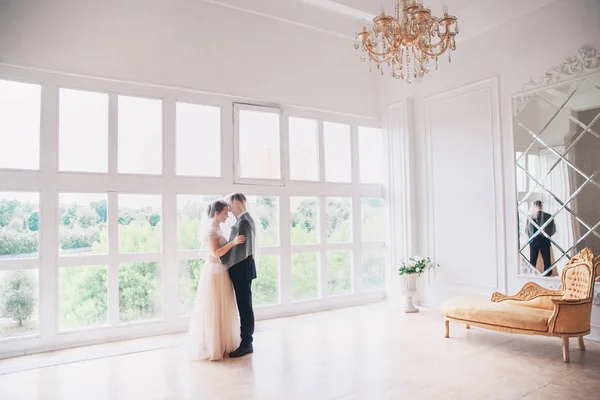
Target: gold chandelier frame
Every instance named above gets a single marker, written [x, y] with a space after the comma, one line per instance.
[409, 40]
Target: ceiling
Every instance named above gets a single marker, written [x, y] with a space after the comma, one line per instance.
[343, 17]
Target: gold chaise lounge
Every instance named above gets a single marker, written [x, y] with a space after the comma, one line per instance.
[536, 310]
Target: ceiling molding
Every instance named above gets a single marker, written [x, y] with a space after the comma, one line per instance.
[221, 3]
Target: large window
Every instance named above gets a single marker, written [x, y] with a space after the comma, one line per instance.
[338, 161]
[83, 297]
[370, 144]
[82, 223]
[339, 220]
[101, 240]
[339, 272]
[19, 292]
[259, 143]
[373, 222]
[305, 220]
[140, 291]
[140, 223]
[19, 225]
[83, 131]
[304, 149]
[140, 135]
[198, 140]
[305, 276]
[20, 115]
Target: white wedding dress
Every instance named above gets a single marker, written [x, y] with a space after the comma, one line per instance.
[215, 326]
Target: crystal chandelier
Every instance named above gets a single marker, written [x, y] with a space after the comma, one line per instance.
[407, 44]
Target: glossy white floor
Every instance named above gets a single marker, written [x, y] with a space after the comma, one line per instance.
[370, 352]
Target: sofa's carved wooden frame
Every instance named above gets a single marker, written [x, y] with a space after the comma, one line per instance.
[570, 316]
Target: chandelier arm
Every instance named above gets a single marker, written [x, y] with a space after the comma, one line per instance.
[445, 42]
[379, 57]
[396, 43]
[385, 55]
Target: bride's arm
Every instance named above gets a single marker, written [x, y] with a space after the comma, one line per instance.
[220, 251]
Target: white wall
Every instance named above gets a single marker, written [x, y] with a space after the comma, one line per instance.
[460, 167]
[189, 44]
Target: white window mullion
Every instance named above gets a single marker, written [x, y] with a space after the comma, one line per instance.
[113, 212]
[113, 139]
[48, 296]
[321, 146]
[285, 259]
[284, 148]
[228, 144]
[169, 212]
[113, 260]
[356, 258]
[323, 252]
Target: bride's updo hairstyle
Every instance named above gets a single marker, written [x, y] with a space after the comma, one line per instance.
[216, 207]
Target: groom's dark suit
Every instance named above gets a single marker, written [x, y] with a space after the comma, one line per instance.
[242, 270]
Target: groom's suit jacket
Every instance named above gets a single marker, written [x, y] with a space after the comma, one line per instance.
[240, 258]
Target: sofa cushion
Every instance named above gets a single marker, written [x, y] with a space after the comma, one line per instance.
[498, 314]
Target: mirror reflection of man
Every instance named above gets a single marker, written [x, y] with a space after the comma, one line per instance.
[540, 244]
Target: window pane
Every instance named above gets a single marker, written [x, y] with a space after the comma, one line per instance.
[339, 220]
[19, 303]
[140, 291]
[83, 296]
[265, 211]
[20, 110]
[19, 225]
[198, 130]
[82, 219]
[265, 288]
[305, 276]
[339, 272]
[373, 275]
[259, 145]
[191, 210]
[83, 131]
[140, 223]
[304, 149]
[338, 165]
[304, 220]
[373, 223]
[140, 136]
[370, 145]
[189, 273]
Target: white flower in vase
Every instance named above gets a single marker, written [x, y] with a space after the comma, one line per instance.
[411, 270]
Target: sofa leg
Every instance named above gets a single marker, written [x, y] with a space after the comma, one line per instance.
[565, 345]
[468, 326]
[447, 325]
[581, 343]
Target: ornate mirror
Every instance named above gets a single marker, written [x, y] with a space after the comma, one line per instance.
[557, 144]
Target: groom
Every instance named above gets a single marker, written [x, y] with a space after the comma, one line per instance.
[242, 270]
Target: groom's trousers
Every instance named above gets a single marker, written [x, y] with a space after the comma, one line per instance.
[241, 276]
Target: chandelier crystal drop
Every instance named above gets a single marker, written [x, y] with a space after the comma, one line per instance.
[407, 43]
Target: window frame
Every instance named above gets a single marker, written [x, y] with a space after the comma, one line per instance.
[320, 154]
[26, 79]
[196, 102]
[48, 181]
[109, 100]
[269, 109]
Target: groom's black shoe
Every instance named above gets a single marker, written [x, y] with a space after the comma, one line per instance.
[241, 352]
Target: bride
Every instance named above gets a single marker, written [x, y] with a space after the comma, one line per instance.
[214, 327]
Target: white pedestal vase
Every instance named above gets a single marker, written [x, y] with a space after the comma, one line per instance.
[410, 282]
